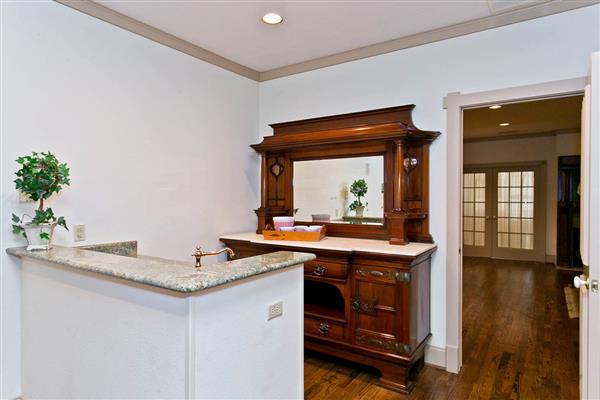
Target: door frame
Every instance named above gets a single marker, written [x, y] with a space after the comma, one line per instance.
[455, 103]
[540, 200]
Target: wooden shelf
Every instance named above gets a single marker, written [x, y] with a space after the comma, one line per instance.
[317, 310]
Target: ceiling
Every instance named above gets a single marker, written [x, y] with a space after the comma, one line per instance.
[527, 118]
[311, 29]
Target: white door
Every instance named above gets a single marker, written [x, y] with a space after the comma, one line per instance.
[590, 238]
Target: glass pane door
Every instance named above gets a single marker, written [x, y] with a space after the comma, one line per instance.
[515, 210]
[519, 230]
[476, 241]
[503, 213]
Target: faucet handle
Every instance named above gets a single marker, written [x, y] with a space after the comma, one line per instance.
[198, 254]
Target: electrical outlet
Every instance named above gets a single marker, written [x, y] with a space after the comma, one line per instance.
[79, 233]
[275, 310]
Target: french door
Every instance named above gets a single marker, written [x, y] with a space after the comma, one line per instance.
[503, 212]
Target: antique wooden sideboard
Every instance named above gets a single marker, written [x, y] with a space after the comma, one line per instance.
[367, 295]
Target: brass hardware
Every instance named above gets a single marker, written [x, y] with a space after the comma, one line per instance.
[403, 276]
[319, 270]
[276, 169]
[367, 308]
[410, 163]
[396, 275]
[387, 345]
[595, 286]
[323, 328]
[355, 304]
[199, 254]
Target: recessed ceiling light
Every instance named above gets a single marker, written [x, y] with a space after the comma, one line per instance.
[272, 18]
[495, 107]
[504, 124]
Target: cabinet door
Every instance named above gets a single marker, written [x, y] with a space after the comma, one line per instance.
[378, 299]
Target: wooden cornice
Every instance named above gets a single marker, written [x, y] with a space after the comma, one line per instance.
[385, 124]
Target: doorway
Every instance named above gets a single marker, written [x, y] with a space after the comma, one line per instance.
[455, 104]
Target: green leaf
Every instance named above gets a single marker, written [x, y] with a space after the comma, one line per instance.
[18, 229]
[16, 219]
[61, 221]
[44, 235]
[41, 175]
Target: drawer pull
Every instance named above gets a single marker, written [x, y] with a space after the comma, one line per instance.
[324, 328]
[395, 275]
[319, 270]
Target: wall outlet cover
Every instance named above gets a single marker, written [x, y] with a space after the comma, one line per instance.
[79, 233]
[275, 310]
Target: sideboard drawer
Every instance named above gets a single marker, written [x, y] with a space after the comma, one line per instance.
[324, 327]
[326, 269]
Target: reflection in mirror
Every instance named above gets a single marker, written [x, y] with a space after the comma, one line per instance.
[340, 190]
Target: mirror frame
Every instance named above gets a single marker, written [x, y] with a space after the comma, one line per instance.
[389, 132]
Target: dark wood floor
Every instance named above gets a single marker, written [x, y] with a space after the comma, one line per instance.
[519, 343]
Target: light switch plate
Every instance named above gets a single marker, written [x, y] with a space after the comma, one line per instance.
[79, 233]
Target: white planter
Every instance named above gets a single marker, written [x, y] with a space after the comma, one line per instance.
[35, 242]
[360, 211]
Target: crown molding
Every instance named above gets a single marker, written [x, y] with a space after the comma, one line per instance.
[132, 25]
[508, 17]
[464, 28]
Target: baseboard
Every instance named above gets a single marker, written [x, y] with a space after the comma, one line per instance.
[453, 362]
[435, 356]
[550, 259]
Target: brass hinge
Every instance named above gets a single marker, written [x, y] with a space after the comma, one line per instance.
[385, 344]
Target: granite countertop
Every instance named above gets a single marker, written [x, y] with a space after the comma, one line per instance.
[340, 244]
[173, 275]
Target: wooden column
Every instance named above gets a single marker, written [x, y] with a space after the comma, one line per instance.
[397, 217]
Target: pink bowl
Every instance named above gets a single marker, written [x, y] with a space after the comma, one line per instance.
[280, 222]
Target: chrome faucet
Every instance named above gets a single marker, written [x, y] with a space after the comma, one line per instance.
[199, 254]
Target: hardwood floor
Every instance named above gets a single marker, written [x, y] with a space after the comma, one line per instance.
[519, 343]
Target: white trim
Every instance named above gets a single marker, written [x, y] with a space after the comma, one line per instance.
[455, 103]
[453, 358]
[190, 366]
[435, 356]
[503, 18]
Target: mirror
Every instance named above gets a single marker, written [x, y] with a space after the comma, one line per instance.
[340, 190]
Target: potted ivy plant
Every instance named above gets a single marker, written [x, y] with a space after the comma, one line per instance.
[39, 177]
[358, 189]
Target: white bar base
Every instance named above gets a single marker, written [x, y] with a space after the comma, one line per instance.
[88, 336]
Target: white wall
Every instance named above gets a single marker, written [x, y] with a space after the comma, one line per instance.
[543, 148]
[173, 132]
[323, 186]
[157, 141]
[546, 49]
